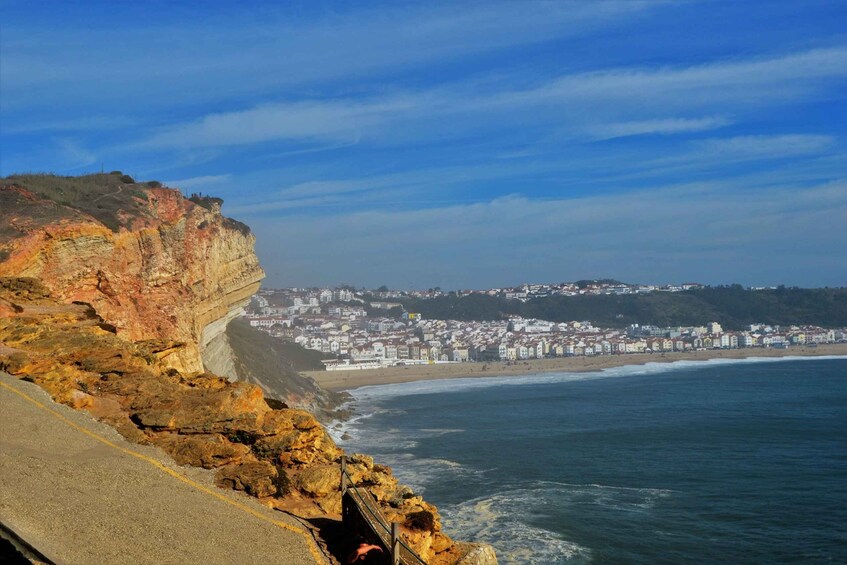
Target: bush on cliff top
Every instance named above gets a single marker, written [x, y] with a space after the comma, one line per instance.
[207, 202]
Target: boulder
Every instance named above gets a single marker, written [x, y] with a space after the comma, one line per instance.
[319, 480]
[295, 438]
[204, 450]
[257, 478]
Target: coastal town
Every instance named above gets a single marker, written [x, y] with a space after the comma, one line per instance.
[359, 329]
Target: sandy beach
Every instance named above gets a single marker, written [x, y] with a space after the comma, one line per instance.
[346, 380]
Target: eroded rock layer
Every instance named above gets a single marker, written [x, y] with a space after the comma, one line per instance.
[154, 264]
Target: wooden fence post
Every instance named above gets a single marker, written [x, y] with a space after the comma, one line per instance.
[395, 543]
[343, 475]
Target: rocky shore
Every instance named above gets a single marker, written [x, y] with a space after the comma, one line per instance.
[347, 380]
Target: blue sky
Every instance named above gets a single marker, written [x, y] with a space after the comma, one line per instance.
[460, 145]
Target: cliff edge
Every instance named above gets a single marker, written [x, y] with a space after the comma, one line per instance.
[154, 264]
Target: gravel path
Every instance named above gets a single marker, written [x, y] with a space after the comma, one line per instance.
[80, 493]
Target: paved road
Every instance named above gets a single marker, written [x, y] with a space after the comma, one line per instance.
[80, 493]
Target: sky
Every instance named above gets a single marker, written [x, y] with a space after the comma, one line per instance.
[460, 145]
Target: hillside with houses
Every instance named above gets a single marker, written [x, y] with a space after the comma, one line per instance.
[362, 329]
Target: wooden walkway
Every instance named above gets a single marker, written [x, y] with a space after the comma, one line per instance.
[361, 513]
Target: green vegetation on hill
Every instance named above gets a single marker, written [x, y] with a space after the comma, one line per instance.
[104, 196]
[101, 195]
[733, 306]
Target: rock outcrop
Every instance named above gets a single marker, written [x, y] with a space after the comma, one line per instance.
[154, 264]
[282, 456]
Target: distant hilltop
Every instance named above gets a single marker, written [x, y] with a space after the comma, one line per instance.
[607, 303]
[523, 292]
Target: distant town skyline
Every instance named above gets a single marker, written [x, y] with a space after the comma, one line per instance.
[644, 287]
[460, 144]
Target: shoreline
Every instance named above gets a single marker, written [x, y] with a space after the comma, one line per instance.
[349, 380]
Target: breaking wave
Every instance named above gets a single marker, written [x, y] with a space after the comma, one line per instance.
[365, 396]
[510, 520]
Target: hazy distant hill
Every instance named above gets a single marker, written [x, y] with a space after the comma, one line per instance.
[732, 306]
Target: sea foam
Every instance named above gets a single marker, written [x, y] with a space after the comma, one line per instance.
[508, 520]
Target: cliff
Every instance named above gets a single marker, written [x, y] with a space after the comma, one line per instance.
[153, 263]
[282, 456]
[112, 291]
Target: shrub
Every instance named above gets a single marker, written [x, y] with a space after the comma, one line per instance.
[423, 520]
[207, 202]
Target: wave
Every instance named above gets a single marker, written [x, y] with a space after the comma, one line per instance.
[497, 520]
[393, 447]
[508, 520]
[442, 431]
[374, 393]
[420, 472]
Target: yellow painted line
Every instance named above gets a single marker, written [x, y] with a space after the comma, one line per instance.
[313, 548]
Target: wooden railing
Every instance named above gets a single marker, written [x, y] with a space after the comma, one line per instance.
[361, 514]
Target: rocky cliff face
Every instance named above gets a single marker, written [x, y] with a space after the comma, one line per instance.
[151, 262]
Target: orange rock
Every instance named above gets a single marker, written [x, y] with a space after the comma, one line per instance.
[208, 451]
[160, 275]
[253, 477]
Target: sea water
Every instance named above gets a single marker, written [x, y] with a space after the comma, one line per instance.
[691, 462]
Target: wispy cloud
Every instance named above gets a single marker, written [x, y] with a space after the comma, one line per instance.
[574, 103]
[277, 51]
[789, 158]
[291, 121]
[199, 182]
[404, 188]
[99, 123]
[765, 146]
[750, 80]
[665, 126]
[698, 231]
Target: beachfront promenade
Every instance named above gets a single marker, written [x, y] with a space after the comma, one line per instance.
[79, 493]
[346, 380]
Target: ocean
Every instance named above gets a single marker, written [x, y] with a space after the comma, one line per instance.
[726, 461]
